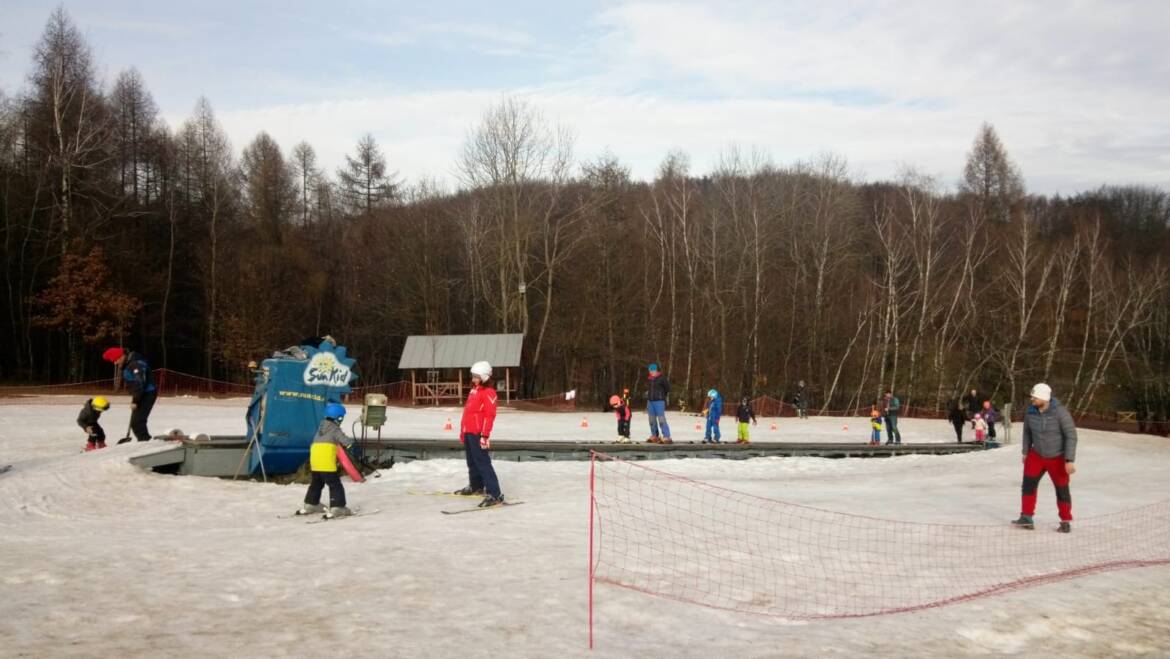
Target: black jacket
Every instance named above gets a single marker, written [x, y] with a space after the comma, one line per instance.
[89, 416]
[744, 413]
[957, 416]
[659, 388]
[138, 377]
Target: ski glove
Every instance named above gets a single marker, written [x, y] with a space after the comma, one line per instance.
[485, 443]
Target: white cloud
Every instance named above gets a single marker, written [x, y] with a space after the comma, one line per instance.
[1077, 92]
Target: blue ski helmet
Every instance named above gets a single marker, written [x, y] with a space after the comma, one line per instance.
[335, 411]
[653, 367]
[711, 393]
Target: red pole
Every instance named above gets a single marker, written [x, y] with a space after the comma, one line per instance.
[592, 465]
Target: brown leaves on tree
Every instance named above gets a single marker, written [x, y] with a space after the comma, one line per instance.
[81, 301]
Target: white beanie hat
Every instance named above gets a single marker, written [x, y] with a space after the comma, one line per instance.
[1042, 392]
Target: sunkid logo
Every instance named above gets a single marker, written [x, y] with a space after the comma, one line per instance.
[325, 370]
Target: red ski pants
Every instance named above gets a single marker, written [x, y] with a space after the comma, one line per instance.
[1034, 468]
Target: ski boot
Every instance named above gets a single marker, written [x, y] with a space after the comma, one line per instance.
[90, 446]
[101, 444]
[311, 509]
[490, 501]
[467, 491]
[1024, 522]
[338, 511]
[1064, 527]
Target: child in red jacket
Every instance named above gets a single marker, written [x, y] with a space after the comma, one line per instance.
[622, 409]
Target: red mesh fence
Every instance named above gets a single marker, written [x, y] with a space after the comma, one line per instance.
[395, 392]
[174, 383]
[686, 540]
[554, 403]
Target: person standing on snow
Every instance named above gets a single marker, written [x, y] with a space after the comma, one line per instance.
[991, 416]
[88, 420]
[958, 419]
[475, 431]
[801, 400]
[330, 439]
[890, 406]
[140, 382]
[714, 412]
[974, 403]
[743, 414]
[622, 410]
[1050, 446]
[656, 396]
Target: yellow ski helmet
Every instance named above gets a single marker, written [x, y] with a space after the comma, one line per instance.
[100, 403]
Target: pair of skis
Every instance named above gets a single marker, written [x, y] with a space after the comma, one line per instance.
[460, 511]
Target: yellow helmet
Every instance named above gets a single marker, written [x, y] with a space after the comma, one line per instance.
[100, 403]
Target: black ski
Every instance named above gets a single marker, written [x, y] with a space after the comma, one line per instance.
[360, 513]
[478, 509]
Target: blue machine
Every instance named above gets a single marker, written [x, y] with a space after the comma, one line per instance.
[292, 388]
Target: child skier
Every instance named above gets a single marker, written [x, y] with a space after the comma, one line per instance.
[88, 420]
[958, 418]
[330, 439]
[743, 414]
[714, 411]
[875, 422]
[980, 428]
[622, 409]
[991, 416]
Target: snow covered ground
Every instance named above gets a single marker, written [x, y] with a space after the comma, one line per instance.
[100, 559]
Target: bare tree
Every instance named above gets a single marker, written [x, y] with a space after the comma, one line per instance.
[308, 177]
[134, 115]
[364, 182]
[991, 177]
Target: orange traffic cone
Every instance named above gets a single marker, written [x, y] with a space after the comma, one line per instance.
[584, 422]
[774, 427]
[845, 427]
[447, 426]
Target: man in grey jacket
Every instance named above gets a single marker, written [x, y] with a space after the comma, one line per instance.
[1050, 445]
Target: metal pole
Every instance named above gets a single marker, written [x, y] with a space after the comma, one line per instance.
[592, 503]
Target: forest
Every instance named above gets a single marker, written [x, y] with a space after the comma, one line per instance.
[119, 229]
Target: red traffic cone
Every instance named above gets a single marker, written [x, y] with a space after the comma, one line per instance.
[584, 422]
[447, 426]
[698, 426]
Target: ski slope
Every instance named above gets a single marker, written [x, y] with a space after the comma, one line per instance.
[101, 559]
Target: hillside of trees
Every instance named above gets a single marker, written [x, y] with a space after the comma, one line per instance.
[120, 229]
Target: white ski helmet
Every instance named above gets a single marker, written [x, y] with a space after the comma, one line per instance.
[482, 369]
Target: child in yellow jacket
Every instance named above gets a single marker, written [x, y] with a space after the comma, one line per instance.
[875, 422]
[330, 439]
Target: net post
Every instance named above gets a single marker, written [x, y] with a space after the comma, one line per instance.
[592, 506]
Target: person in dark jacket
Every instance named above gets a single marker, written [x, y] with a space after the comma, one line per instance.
[743, 414]
[1049, 446]
[800, 400]
[991, 416]
[657, 393]
[889, 407]
[140, 383]
[88, 420]
[974, 403]
[958, 418]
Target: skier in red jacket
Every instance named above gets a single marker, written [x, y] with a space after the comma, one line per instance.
[475, 430]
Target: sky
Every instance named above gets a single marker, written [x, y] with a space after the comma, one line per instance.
[1077, 90]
